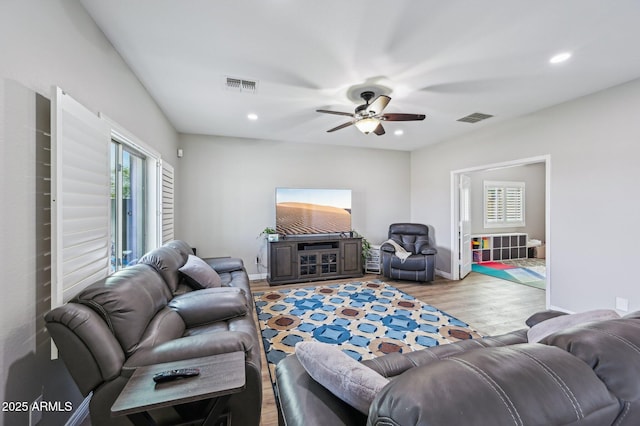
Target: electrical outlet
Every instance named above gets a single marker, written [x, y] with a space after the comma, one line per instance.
[622, 304]
[35, 415]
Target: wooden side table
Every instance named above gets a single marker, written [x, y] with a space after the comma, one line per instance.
[220, 376]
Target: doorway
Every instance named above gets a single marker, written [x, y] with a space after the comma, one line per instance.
[460, 208]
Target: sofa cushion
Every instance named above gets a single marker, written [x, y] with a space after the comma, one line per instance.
[127, 301]
[524, 384]
[349, 380]
[412, 263]
[166, 325]
[611, 349]
[210, 305]
[166, 261]
[199, 275]
[552, 325]
[180, 245]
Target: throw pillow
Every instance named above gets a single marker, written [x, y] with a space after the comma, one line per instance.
[199, 275]
[349, 380]
[552, 325]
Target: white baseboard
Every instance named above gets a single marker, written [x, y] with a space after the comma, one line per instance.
[256, 277]
[556, 308]
[80, 414]
[443, 274]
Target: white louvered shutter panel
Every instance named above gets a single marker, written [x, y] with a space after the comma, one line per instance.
[514, 205]
[494, 199]
[80, 198]
[167, 202]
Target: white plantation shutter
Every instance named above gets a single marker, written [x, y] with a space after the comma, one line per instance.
[80, 195]
[494, 199]
[514, 205]
[167, 202]
[504, 204]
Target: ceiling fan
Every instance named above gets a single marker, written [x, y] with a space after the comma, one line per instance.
[368, 117]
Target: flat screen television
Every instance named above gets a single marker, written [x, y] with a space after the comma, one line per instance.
[305, 211]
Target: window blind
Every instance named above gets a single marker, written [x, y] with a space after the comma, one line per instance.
[79, 198]
[167, 203]
[504, 204]
[494, 197]
[514, 204]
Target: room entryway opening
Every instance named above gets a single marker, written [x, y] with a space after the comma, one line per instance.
[500, 221]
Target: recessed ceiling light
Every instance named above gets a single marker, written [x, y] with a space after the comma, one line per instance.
[399, 132]
[560, 57]
[252, 116]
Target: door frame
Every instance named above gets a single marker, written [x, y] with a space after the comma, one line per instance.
[464, 222]
[455, 210]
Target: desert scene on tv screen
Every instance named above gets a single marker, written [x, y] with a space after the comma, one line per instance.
[295, 217]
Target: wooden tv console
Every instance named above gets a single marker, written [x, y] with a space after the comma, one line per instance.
[300, 259]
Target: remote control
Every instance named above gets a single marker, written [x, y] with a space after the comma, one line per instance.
[167, 376]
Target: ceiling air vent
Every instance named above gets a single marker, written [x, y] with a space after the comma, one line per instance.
[241, 85]
[475, 117]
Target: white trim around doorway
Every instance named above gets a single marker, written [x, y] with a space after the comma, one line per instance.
[455, 213]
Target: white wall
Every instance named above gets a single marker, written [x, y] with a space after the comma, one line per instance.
[594, 206]
[46, 43]
[226, 189]
[533, 176]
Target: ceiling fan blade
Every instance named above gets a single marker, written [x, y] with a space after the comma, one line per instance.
[326, 111]
[378, 104]
[402, 117]
[379, 130]
[342, 126]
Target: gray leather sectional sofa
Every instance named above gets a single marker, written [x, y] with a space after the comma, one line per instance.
[587, 374]
[145, 315]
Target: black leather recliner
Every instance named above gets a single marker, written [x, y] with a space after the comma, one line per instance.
[414, 238]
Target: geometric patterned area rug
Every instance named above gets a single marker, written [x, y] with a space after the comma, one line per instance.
[533, 276]
[365, 319]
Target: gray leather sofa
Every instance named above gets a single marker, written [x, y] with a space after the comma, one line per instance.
[145, 315]
[583, 375]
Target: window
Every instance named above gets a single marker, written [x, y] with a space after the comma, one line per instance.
[504, 204]
[106, 194]
[106, 198]
[136, 186]
[128, 205]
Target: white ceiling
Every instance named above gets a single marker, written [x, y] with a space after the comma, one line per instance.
[445, 59]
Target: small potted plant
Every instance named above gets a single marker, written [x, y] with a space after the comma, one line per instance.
[366, 247]
[269, 233]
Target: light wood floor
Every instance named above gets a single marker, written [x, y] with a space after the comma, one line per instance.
[490, 305]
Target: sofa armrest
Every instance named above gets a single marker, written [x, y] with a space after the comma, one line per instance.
[304, 402]
[538, 317]
[210, 305]
[428, 250]
[224, 264]
[388, 248]
[188, 347]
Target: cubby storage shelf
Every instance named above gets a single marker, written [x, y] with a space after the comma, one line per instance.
[497, 247]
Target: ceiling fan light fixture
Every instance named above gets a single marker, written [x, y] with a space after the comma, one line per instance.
[367, 125]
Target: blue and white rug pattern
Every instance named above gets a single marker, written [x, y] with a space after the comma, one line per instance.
[365, 319]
